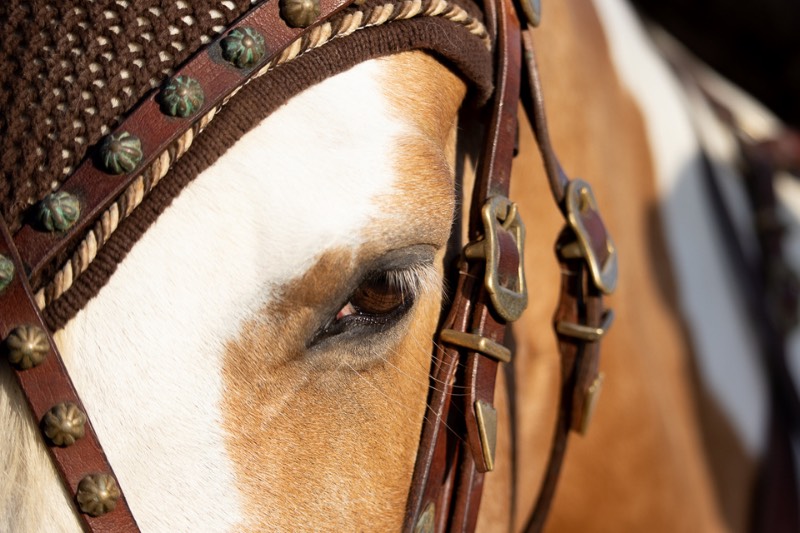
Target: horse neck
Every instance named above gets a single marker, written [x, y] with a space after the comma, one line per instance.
[151, 355]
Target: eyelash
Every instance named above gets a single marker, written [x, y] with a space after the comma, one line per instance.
[406, 284]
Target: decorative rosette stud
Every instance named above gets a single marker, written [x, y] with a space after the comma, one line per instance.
[63, 424]
[6, 272]
[244, 47]
[27, 346]
[59, 211]
[97, 494]
[299, 13]
[120, 153]
[181, 97]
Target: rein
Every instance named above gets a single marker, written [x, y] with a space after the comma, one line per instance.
[491, 290]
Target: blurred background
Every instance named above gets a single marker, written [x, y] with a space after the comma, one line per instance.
[754, 44]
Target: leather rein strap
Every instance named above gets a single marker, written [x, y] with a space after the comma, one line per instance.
[491, 292]
[448, 478]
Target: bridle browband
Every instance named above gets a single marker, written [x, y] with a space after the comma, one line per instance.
[491, 292]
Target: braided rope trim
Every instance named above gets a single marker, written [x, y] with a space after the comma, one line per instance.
[134, 195]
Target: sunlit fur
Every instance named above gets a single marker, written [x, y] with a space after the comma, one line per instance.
[218, 412]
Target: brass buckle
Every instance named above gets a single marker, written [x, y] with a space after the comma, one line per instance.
[586, 333]
[476, 343]
[486, 416]
[590, 403]
[532, 10]
[581, 207]
[500, 211]
[426, 523]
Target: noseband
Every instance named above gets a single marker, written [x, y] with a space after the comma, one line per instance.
[491, 290]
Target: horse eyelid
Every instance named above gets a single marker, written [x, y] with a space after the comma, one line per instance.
[415, 280]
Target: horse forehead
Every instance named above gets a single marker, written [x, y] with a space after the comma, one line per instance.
[414, 74]
[348, 161]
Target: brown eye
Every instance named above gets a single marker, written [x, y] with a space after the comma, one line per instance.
[379, 302]
[374, 297]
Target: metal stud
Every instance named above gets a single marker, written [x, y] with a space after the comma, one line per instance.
[59, 211]
[533, 11]
[299, 13]
[27, 346]
[244, 47]
[427, 520]
[120, 153]
[6, 272]
[97, 494]
[181, 97]
[63, 424]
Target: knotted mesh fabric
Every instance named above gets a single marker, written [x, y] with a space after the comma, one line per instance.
[69, 70]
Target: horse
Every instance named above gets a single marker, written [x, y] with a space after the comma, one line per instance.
[259, 358]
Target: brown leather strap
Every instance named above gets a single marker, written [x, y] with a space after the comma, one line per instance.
[580, 303]
[429, 501]
[493, 180]
[494, 173]
[580, 319]
[533, 100]
[448, 477]
[47, 385]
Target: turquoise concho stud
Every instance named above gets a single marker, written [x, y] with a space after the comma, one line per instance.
[58, 211]
[181, 97]
[299, 13]
[120, 153]
[6, 272]
[243, 47]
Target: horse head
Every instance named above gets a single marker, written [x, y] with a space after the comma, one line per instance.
[246, 279]
[260, 358]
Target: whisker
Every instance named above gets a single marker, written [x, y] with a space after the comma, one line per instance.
[435, 358]
[430, 378]
[407, 408]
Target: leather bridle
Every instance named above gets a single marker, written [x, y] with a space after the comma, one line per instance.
[448, 478]
[490, 293]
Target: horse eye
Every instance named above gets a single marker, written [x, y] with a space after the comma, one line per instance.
[379, 302]
[377, 296]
